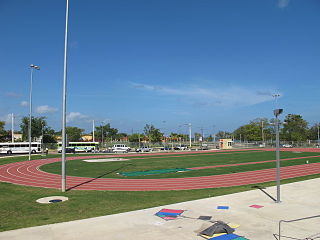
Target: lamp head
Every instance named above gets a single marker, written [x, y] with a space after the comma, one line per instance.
[34, 67]
[277, 112]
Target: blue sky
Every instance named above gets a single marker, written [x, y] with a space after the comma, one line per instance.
[212, 63]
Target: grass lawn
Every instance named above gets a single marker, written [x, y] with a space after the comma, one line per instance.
[19, 209]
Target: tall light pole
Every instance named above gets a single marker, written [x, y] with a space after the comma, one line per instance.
[32, 67]
[64, 103]
[164, 135]
[93, 131]
[102, 133]
[318, 134]
[12, 128]
[190, 136]
[277, 112]
[262, 132]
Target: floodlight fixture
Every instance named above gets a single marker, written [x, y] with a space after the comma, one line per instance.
[34, 67]
[277, 112]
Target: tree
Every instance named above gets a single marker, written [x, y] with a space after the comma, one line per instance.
[210, 138]
[313, 132]
[38, 128]
[178, 136]
[153, 134]
[295, 128]
[74, 134]
[106, 132]
[223, 134]
[257, 130]
[49, 135]
[4, 135]
[136, 137]
[121, 136]
[38, 124]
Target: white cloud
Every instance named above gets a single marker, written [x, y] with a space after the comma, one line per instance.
[24, 104]
[46, 109]
[228, 96]
[73, 116]
[283, 3]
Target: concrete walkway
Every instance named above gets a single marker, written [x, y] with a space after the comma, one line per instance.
[299, 200]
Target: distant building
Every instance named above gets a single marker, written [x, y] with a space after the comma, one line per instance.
[17, 137]
[225, 143]
[87, 138]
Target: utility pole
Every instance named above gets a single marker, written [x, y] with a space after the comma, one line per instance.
[102, 133]
[201, 134]
[12, 128]
[190, 136]
[318, 135]
[139, 141]
[93, 140]
[262, 132]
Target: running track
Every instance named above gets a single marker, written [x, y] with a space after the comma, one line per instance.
[28, 173]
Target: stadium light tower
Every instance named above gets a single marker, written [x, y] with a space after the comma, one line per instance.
[190, 136]
[277, 112]
[32, 67]
[64, 104]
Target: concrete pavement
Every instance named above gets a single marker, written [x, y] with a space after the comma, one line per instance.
[299, 200]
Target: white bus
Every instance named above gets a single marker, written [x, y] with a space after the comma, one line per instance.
[20, 147]
[80, 146]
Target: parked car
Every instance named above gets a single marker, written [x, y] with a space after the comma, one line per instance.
[144, 149]
[120, 148]
[165, 148]
[181, 147]
[204, 147]
[68, 150]
[287, 146]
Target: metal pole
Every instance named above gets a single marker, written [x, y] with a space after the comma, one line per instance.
[93, 130]
[262, 132]
[30, 111]
[139, 141]
[42, 139]
[190, 135]
[64, 104]
[318, 135]
[12, 128]
[277, 160]
[102, 133]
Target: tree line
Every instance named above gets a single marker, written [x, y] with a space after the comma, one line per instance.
[293, 128]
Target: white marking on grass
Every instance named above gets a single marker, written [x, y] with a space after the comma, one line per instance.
[107, 160]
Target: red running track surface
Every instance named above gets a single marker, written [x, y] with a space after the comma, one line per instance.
[28, 173]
